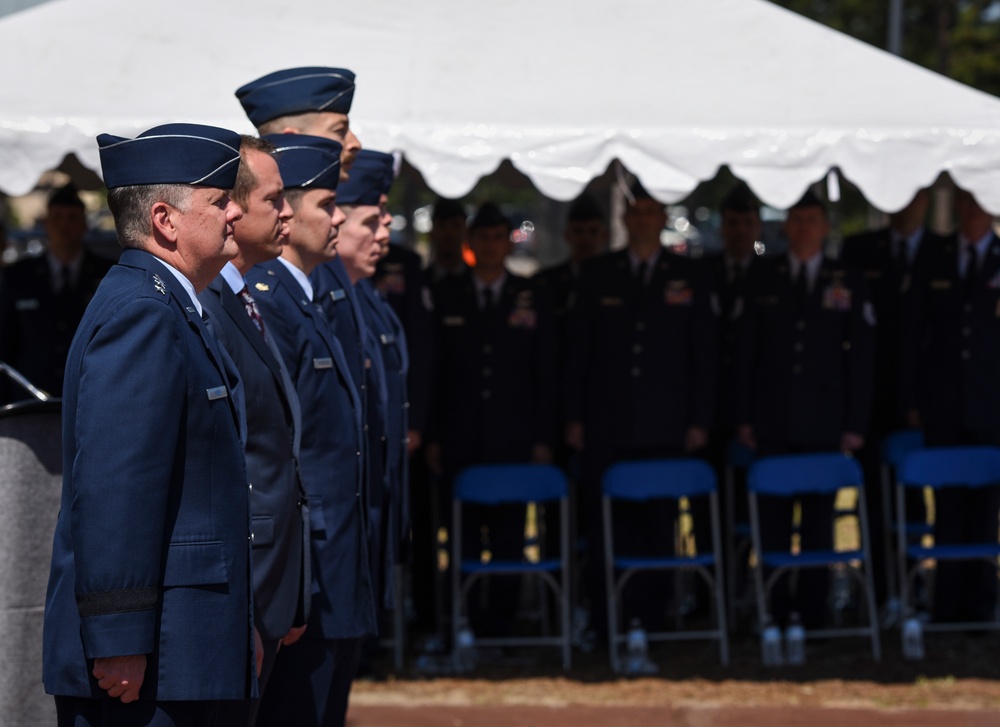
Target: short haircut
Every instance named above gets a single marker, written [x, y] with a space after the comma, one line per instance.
[293, 196]
[489, 215]
[585, 209]
[447, 209]
[740, 199]
[66, 196]
[246, 180]
[299, 122]
[810, 200]
[130, 206]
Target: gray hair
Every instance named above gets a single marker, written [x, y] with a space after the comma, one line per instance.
[130, 206]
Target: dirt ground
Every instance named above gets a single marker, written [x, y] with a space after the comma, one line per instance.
[957, 684]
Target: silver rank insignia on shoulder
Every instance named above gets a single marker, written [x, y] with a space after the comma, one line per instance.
[161, 288]
[262, 286]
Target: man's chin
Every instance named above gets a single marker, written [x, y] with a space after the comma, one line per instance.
[229, 248]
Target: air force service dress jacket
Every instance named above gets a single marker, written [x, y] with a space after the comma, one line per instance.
[152, 545]
[805, 366]
[37, 323]
[331, 457]
[643, 363]
[277, 501]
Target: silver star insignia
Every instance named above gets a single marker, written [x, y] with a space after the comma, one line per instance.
[158, 284]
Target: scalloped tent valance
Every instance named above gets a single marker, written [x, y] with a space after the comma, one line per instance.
[672, 88]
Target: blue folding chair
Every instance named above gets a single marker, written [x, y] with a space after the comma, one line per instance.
[895, 448]
[940, 468]
[800, 474]
[737, 534]
[492, 485]
[644, 481]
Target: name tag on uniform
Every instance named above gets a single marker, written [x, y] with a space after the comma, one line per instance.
[941, 284]
[611, 301]
[338, 294]
[387, 339]
[219, 392]
[454, 321]
[26, 304]
[322, 363]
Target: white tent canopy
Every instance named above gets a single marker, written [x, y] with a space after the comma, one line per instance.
[672, 88]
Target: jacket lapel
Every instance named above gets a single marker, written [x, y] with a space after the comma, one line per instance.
[314, 312]
[235, 309]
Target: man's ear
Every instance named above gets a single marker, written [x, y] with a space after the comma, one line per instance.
[162, 218]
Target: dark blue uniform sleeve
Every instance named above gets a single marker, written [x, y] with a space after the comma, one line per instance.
[121, 474]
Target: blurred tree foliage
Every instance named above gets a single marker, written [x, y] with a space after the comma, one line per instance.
[957, 38]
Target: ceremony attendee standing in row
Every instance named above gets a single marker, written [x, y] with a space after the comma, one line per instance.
[312, 677]
[951, 389]
[494, 393]
[640, 384]
[313, 100]
[364, 241]
[586, 235]
[887, 258]
[278, 510]
[804, 359]
[148, 612]
[42, 299]
[447, 237]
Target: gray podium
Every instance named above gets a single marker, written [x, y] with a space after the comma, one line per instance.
[30, 487]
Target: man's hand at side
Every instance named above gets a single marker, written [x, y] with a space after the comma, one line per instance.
[121, 676]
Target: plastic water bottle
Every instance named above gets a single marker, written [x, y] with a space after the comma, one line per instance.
[637, 648]
[795, 641]
[772, 653]
[913, 639]
[465, 647]
[635, 639]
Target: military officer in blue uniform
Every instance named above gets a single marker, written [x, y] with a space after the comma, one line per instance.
[400, 280]
[362, 236]
[314, 100]
[950, 343]
[311, 680]
[887, 257]
[278, 509]
[586, 236]
[42, 299]
[448, 234]
[148, 617]
[366, 230]
[740, 229]
[494, 392]
[804, 359]
[640, 383]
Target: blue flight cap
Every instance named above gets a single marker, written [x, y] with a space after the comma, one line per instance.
[307, 161]
[297, 91]
[371, 177]
[172, 154]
